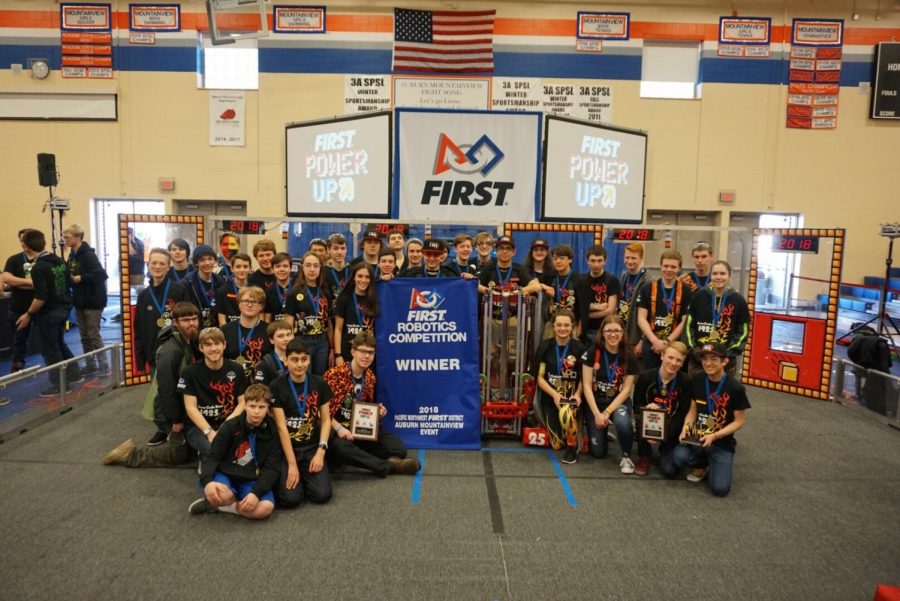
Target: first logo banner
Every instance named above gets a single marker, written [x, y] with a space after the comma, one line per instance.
[154, 17]
[85, 17]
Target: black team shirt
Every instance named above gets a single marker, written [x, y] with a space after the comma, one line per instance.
[716, 405]
[304, 410]
[217, 391]
[249, 343]
[674, 398]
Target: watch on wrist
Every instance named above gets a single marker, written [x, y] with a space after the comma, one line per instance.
[323, 445]
[206, 431]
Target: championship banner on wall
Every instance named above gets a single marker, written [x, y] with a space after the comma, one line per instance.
[815, 73]
[427, 340]
[478, 166]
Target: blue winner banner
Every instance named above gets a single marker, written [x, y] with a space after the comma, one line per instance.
[427, 337]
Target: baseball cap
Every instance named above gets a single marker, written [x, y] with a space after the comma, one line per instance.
[504, 240]
[715, 348]
[539, 242]
[373, 235]
[434, 245]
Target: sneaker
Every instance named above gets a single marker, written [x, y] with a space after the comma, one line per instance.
[570, 455]
[120, 454]
[88, 370]
[76, 379]
[53, 391]
[201, 505]
[157, 439]
[643, 466]
[408, 466]
[697, 474]
[626, 466]
[17, 366]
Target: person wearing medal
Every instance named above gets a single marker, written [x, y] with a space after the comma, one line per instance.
[355, 381]
[702, 255]
[274, 364]
[277, 294]
[464, 265]
[662, 309]
[630, 283]
[665, 388]
[432, 253]
[154, 307]
[718, 409]
[308, 308]
[245, 339]
[559, 380]
[227, 294]
[354, 311]
[563, 288]
[598, 295]
[719, 314]
[180, 251]
[203, 283]
[337, 271]
[300, 407]
[608, 371]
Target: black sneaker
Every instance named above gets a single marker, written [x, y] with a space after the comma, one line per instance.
[157, 439]
[89, 370]
[53, 391]
[570, 455]
[201, 505]
[76, 379]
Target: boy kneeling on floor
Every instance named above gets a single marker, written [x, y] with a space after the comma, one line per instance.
[244, 463]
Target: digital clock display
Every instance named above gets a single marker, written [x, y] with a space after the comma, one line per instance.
[795, 244]
[633, 235]
[244, 227]
[386, 228]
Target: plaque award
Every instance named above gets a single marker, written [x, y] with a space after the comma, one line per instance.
[364, 421]
[654, 424]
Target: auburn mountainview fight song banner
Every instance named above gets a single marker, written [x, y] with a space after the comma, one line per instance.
[427, 339]
[474, 166]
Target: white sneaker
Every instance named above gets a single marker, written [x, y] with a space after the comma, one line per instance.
[626, 466]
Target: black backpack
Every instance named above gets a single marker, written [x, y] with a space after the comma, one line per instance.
[870, 350]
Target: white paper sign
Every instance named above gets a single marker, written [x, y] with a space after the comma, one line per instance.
[516, 94]
[226, 118]
[366, 93]
[443, 93]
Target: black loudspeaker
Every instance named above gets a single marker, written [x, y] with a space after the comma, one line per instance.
[47, 169]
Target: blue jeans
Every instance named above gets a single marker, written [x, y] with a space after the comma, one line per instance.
[621, 418]
[720, 465]
[51, 328]
[318, 352]
[197, 440]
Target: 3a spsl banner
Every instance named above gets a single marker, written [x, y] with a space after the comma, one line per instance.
[427, 337]
[472, 165]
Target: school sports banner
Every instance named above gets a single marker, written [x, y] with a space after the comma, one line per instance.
[427, 362]
[466, 166]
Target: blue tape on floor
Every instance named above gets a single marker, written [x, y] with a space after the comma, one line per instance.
[417, 482]
[570, 496]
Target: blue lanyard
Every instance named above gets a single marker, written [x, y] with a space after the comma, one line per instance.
[610, 368]
[281, 292]
[204, 296]
[561, 356]
[500, 279]
[717, 307]
[226, 269]
[301, 409]
[702, 283]
[669, 298]
[315, 299]
[359, 317]
[161, 304]
[565, 284]
[339, 282]
[234, 286]
[664, 390]
[242, 342]
[630, 283]
[711, 400]
[278, 362]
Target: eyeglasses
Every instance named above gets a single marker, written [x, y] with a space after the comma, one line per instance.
[613, 332]
[365, 352]
[250, 302]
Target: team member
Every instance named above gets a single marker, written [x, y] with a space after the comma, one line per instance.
[502, 274]
[702, 255]
[136, 267]
[175, 353]
[538, 262]
[154, 308]
[609, 370]
[413, 256]
[88, 279]
[354, 311]
[371, 246]
[238, 473]
[719, 314]
[50, 308]
[387, 266]
[17, 276]
[319, 247]
[395, 244]
[562, 287]
[630, 283]
[464, 265]
[355, 381]
[337, 271]
[277, 294]
[601, 290]
[245, 338]
[227, 294]
[264, 276]
[203, 283]
[213, 391]
[662, 309]
[309, 308]
[484, 245]
[273, 364]
[179, 250]
[718, 410]
[300, 407]
[229, 245]
[433, 251]
[665, 388]
[559, 379]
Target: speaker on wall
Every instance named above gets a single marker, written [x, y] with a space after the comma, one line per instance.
[47, 169]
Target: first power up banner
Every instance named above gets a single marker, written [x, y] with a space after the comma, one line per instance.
[478, 166]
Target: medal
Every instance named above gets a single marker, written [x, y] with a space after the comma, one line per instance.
[240, 360]
[163, 322]
[299, 296]
[714, 336]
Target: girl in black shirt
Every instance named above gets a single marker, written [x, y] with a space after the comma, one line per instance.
[354, 311]
[308, 308]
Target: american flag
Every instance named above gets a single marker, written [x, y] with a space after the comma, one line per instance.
[447, 41]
